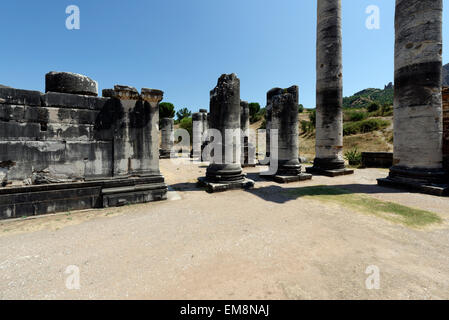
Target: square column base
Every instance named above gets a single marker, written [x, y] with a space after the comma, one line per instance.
[212, 187]
[287, 179]
[441, 190]
[329, 173]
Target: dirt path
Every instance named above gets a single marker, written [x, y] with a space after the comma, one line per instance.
[258, 244]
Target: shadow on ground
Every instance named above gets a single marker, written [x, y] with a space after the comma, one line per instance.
[279, 194]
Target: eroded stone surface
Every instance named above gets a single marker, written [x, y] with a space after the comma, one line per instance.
[67, 82]
[329, 95]
[59, 138]
[225, 115]
[167, 137]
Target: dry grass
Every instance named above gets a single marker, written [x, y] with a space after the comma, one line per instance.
[393, 212]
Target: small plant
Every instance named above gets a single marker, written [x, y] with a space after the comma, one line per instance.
[354, 157]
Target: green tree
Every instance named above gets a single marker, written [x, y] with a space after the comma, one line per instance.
[183, 113]
[166, 110]
[254, 109]
[187, 124]
[312, 117]
[300, 108]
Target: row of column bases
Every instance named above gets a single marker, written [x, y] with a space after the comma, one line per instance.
[418, 113]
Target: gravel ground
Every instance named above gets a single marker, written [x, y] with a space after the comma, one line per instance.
[257, 244]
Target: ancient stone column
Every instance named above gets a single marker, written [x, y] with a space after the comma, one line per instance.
[136, 132]
[167, 137]
[197, 122]
[285, 119]
[205, 121]
[267, 129]
[225, 173]
[446, 128]
[329, 92]
[418, 126]
[248, 150]
[205, 142]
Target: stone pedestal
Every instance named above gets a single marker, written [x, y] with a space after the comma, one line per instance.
[329, 92]
[418, 115]
[284, 119]
[167, 137]
[225, 174]
[377, 159]
[136, 147]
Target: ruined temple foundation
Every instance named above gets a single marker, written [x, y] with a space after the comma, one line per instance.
[329, 92]
[285, 119]
[72, 150]
[225, 174]
[418, 153]
[167, 137]
[248, 150]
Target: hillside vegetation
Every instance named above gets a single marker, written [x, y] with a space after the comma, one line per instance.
[365, 98]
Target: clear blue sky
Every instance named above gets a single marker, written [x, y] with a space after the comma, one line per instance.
[183, 46]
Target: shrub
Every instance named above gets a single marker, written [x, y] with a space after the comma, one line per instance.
[312, 117]
[306, 126]
[255, 118]
[263, 125]
[364, 126]
[373, 107]
[300, 108]
[354, 157]
[357, 116]
[387, 110]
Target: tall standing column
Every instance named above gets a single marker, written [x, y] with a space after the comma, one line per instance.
[167, 137]
[418, 125]
[446, 128]
[285, 119]
[197, 131]
[225, 173]
[329, 91]
[248, 150]
[267, 128]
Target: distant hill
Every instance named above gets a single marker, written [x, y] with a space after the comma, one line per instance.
[446, 75]
[365, 97]
[2, 86]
